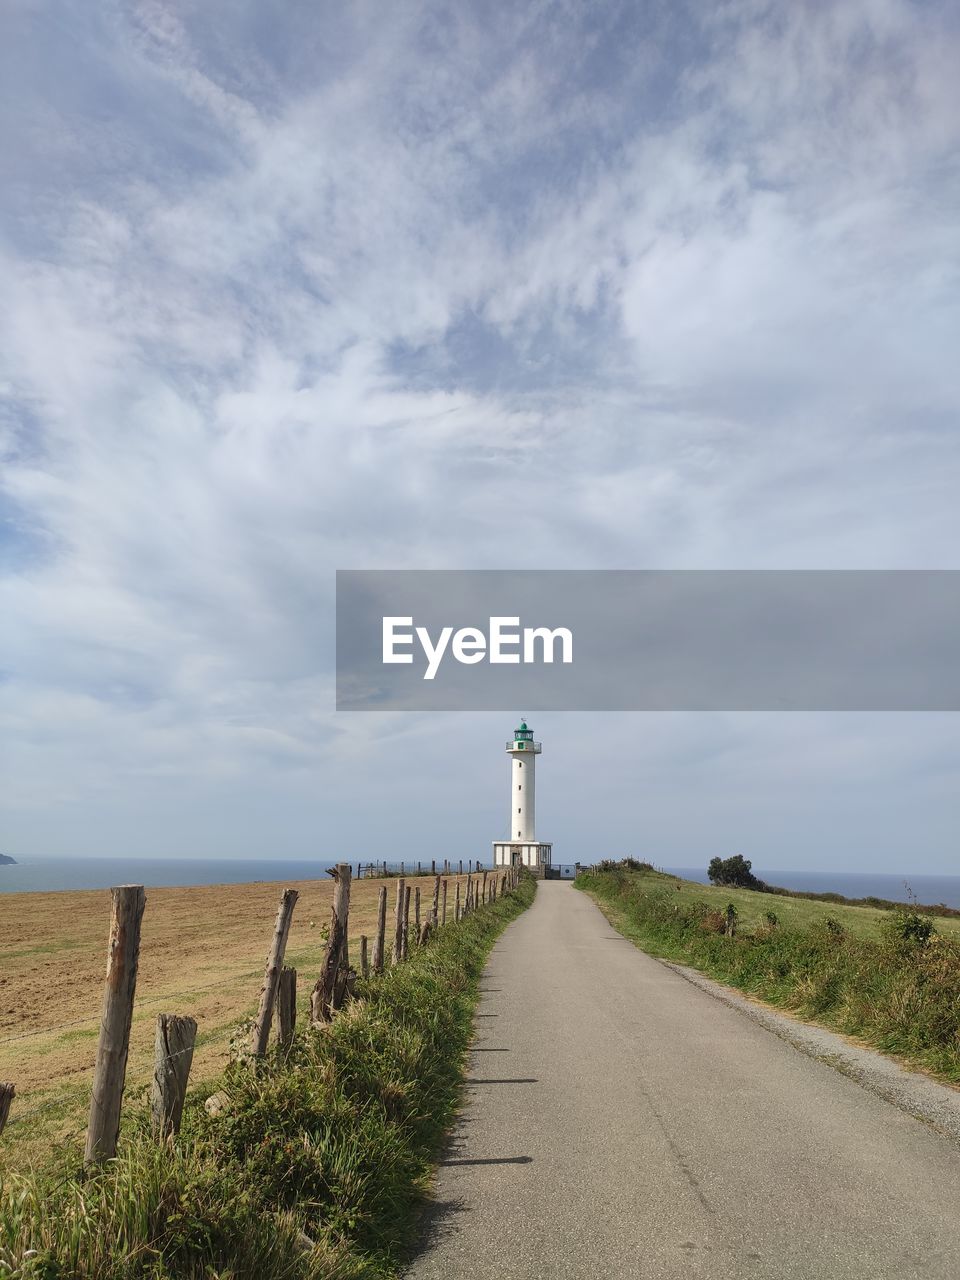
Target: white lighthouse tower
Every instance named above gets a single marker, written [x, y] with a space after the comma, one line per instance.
[522, 848]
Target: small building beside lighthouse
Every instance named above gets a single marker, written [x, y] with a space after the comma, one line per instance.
[523, 849]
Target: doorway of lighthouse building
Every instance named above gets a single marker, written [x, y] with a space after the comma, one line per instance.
[516, 857]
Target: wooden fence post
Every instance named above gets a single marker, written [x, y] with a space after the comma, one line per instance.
[123, 952]
[433, 866]
[286, 1005]
[364, 965]
[456, 914]
[483, 891]
[443, 896]
[173, 1055]
[7, 1091]
[405, 925]
[398, 926]
[271, 979]
[416, 914]
[378, 941]
[468, 895]
[328, 990]
[425, 932]
[435, 908]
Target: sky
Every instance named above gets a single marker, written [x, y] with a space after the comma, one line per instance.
[297, 287]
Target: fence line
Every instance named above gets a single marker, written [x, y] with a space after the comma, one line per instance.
[176, 1035]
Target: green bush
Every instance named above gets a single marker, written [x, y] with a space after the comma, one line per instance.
[909, 927]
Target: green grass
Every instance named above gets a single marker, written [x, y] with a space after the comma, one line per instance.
[844, 967]
[793, 912]
[315, 1171]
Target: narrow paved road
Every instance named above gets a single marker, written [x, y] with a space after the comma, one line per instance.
[623, 1122]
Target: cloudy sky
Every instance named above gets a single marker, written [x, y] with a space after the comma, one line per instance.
[294, 287]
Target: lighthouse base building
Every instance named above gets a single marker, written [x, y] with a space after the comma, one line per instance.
[522, 848]
[508, 853]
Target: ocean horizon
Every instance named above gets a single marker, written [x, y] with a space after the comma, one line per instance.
[59, 873]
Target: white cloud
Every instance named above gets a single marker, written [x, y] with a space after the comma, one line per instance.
[349, 294]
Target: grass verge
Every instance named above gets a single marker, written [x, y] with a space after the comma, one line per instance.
[897, 992]
[315, 1169]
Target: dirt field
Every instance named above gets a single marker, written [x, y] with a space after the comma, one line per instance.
[202, 953]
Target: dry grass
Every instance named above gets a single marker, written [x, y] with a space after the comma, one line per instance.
[202, 953]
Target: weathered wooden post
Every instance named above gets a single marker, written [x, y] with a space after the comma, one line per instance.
[7, 1092]
[425, 932]
[483, 892]
[460, 872]
[271, 979]
[468, 895]
[123, 952]
[456, 914]
[328, 990]
[416, 914]
[398, 929]
[286, 1005]
[405, 926]
[433, 866]
[173, 1055]
[378, 941]
[435, 905]
[443, 908]
[364, 965]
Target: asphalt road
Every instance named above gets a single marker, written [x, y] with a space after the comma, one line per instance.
[623, 1121]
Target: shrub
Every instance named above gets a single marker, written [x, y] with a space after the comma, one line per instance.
[908, 927]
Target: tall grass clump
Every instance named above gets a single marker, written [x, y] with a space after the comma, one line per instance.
[312, 1170]
[899, 992]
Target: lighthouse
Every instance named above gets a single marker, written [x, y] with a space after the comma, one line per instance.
[522, 848]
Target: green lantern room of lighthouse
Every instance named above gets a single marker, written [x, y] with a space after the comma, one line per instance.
[522, 736]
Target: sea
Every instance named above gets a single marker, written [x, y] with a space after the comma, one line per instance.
[32, 874]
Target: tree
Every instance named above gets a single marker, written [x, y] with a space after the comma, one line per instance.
[734, 871]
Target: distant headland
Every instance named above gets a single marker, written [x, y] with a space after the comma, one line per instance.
[6, 859]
